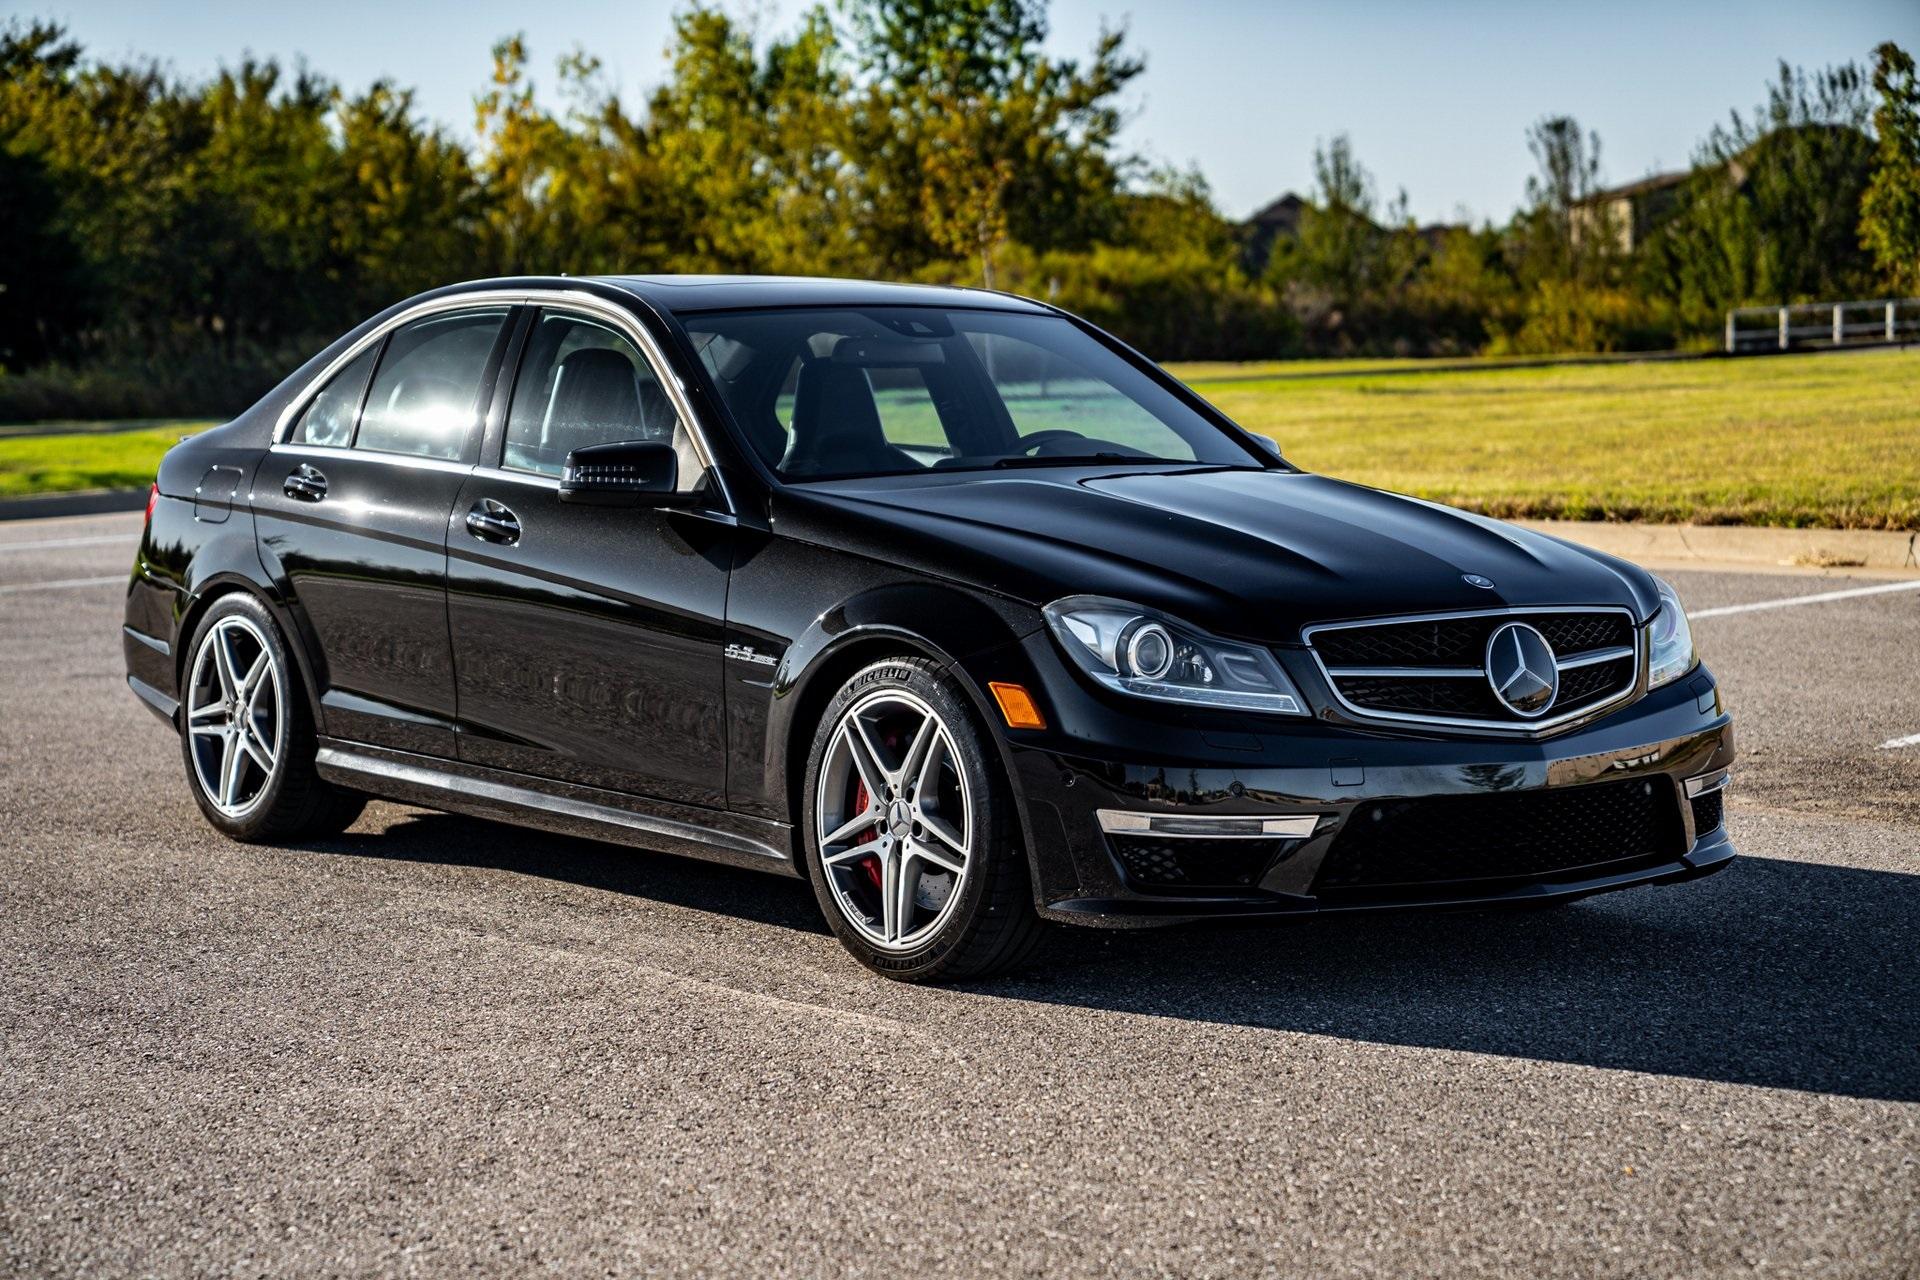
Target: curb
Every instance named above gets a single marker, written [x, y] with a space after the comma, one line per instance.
[88, 502]
[1858, 551]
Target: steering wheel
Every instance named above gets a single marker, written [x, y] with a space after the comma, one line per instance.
[1039, 438]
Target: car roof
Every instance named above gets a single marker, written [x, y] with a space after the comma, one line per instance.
[686, 294]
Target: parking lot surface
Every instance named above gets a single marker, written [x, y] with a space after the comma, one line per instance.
[437, 1044]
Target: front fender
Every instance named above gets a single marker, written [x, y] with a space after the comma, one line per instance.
[801, 620]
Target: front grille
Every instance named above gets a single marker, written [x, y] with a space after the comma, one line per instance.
[1709, 811]
[1580, 686]
[1156, 863]
[1397, 847]
[1440, 695]
[1434, 668]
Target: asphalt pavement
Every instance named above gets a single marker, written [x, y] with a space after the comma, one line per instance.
[437, 1044]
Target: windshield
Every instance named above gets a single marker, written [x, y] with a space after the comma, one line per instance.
[896, 390]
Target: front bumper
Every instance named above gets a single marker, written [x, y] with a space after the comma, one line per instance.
[1099, 755]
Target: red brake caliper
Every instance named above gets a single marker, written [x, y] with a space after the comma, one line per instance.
[869, 864]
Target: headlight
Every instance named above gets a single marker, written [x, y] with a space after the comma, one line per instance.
[1669, 640]
[1137, 651]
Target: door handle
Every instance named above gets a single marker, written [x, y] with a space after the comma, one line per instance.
[491, 521]
[306, 483]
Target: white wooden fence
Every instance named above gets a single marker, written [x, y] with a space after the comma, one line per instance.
[1822, 325]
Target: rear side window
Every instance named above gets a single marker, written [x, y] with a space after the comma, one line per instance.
[583, 383]
[425, 397]
[329, 418]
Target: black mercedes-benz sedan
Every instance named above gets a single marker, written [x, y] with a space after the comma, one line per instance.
[943, 600]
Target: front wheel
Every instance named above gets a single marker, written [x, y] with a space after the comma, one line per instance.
[247, 733]
[910, 838]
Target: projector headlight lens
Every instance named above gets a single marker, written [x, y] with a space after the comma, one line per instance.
[1144, 654]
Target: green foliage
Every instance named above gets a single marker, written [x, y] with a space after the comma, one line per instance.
[1890, 209]
[1172, 303]
[220, 379]
[101, 459]
[1771, 211]
[177, 227]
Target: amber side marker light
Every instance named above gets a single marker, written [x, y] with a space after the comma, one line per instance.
[1017, 706]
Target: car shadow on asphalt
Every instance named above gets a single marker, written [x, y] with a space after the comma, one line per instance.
[453, 840]
[1777, 973]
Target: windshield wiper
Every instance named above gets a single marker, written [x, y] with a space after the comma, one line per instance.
[1085, 459]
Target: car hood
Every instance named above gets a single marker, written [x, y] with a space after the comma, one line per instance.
[1255, 554]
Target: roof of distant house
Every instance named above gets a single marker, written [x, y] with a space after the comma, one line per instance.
[1644, 187]
[1283, 213]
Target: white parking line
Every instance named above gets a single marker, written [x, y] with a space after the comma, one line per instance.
[100, 541]
[61, 583]
[1817, 598]
[1894, 744]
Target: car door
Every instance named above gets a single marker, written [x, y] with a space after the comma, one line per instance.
[352, 511]
[587, 640]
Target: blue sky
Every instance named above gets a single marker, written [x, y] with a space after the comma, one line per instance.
[1436, 96]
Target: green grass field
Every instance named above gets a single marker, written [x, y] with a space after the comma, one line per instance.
[85, 459]
[1816, 440]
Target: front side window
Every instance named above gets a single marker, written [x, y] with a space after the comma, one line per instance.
[893, 390]
[425, 397]
[329, 418]
[583, 383]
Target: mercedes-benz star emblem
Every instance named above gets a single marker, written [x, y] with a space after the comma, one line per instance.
[1475, 580]
[1521, 669]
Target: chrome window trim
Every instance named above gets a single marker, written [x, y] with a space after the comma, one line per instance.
[481, 301]
[412, 461]
[1530, 729]
[537, 479]
[589, 304]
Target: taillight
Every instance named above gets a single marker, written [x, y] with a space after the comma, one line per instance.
[153, 497]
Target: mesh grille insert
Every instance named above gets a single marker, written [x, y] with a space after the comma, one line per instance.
[1152, 862]
[1709, 811]
[1438, 841]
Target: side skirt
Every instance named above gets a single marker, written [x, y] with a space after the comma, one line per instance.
[527, 801]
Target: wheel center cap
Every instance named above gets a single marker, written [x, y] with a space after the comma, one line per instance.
[899, 819]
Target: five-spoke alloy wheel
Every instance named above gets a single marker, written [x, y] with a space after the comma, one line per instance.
[909, 835]
[247, 731]
[236, 716]
[892, 819]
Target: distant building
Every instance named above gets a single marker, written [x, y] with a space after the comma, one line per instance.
[1281, 218]
[1630, 213]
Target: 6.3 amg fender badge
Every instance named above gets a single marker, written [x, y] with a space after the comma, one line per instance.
[746, 653]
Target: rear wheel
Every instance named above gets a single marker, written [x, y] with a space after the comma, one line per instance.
[247, 734]
[910, 838]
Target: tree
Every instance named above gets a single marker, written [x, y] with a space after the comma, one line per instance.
[405, 205]
[753, 148]
[43, 290]
[1890, 208]
[1565, 234]
[968, 134]
[1801, 162]
[1342, 265]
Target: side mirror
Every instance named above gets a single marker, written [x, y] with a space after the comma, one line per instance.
[630, 473]
[1268, 443]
